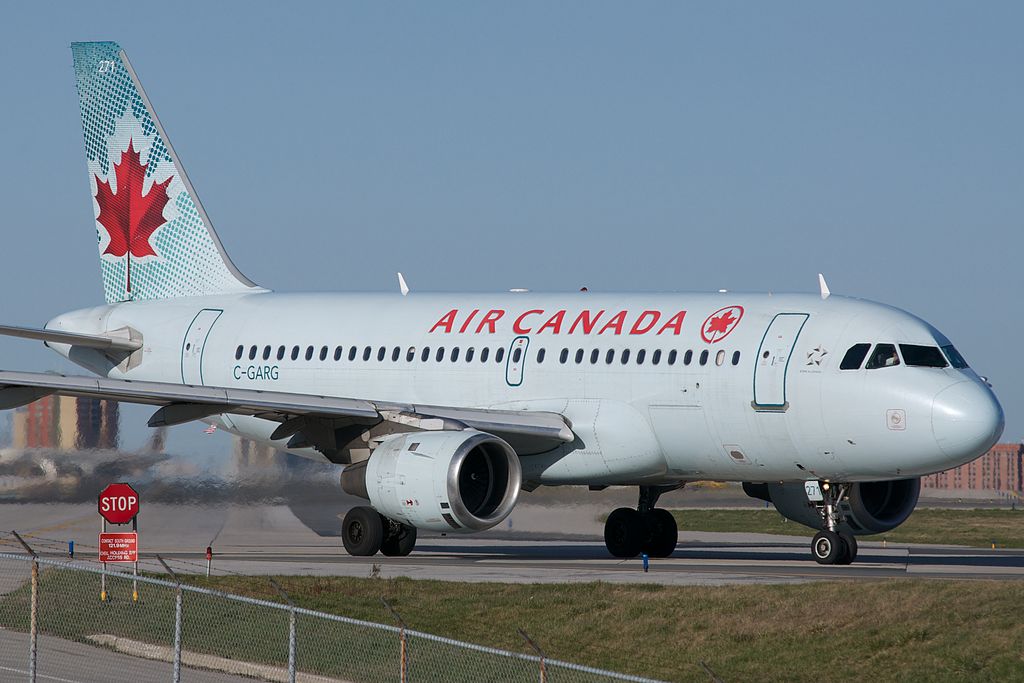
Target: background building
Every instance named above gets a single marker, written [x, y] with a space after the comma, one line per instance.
[63, 423]
[998, 470]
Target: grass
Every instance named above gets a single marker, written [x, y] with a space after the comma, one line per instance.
[977, 528]
[904, 629]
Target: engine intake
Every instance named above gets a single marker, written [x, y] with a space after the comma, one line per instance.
[460, 481]
[872, 507]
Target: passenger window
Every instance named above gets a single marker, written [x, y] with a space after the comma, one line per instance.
[396, 354]
[295, 353]
[517, 355]
[439, 356]
[280, 353]
[323, 353]
[564, 356]
[455, 354]
[720, 357]
[609, 356]
[367, 352]
[854, 357]
[425, 355]
[955, 359]
[484, 353]
[266, 352]
[382, 353]
[884, 356]
[625, 356]
[309, 353]
[687, 357]
[252, 353]
[238, 352]
[579, 356]
[594, 355]
[499, 355]
[672, 357]
[656, 357]
[704, 357]
[735, 357]
[410, 355]
[470, 351]
[922, 356]
[352, 353]
[540, 355]
[640, 356]
[338, 351]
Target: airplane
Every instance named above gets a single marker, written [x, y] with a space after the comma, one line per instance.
[443, 407]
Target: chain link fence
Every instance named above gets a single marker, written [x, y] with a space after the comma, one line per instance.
[54, 627]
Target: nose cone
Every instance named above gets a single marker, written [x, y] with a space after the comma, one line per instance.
[967, 420]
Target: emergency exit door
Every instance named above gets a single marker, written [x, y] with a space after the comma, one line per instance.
[516, 361]
[773, 358]
[194, 344]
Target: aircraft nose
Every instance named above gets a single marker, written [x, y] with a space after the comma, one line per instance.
[967, 419]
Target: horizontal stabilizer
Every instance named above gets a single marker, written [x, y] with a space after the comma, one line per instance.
[101, 342]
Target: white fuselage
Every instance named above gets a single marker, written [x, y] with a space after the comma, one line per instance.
[656, 389]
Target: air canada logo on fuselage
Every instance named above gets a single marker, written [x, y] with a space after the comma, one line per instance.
[539, 321]
[719, 324]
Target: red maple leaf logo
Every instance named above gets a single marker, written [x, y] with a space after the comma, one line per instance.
[129, 216]
[720, 323]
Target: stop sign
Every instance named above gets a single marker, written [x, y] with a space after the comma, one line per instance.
[119, 503]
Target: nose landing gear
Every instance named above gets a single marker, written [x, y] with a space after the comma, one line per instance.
[831, 546]
[647, 529]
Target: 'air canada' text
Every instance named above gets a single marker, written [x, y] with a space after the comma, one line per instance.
[538, 321]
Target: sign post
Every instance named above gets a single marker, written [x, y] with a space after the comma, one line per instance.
[119, 504]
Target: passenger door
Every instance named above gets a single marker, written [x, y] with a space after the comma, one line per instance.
[772, 361]
[194, 343]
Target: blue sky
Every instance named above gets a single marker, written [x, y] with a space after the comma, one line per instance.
[483, 146]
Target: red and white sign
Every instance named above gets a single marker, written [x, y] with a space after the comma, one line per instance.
[119, 503]
[719, 324]
[119, 547]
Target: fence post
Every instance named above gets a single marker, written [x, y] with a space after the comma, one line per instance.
[540, 653]
[403, 662]
[177, 621]
[292, 664]
[33, 629]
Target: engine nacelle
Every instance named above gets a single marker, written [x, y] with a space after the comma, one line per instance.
[454, 481]
[871, 508]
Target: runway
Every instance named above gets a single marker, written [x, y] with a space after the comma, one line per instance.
[270, 539]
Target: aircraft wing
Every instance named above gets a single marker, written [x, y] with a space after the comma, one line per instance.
[297, 413]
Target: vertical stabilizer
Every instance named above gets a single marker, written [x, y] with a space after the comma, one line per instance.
[155, 239]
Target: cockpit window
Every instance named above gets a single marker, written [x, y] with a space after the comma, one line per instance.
[884, 356]
[922, 356]
[955, 359]
[854, 356]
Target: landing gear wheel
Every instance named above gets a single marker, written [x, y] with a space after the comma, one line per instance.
[827, 547]
[400, 541]
[663, 533]
[362, 531]
[624, 532]
[849, 548]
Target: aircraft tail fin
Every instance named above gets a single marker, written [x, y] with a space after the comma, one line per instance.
[155, 239]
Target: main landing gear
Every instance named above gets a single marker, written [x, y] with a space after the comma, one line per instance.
[364, 532]
[831, 546]
[650, 530]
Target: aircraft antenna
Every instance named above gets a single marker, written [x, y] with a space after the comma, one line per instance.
[402, 286]
[823, 286]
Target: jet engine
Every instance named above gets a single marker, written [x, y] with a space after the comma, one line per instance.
[872, 507]
[454, 481]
